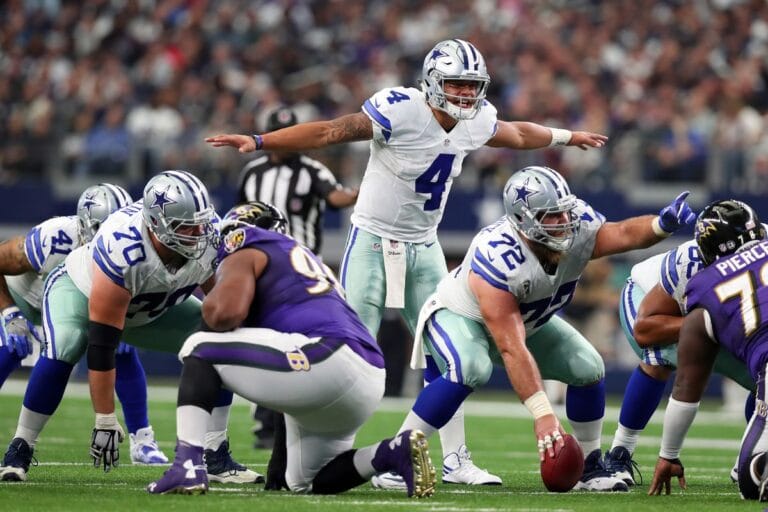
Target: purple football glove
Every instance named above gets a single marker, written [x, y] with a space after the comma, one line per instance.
[19, 332]
[677, 214]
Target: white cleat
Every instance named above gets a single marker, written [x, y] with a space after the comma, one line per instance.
[144, 449]
[458, 468]
[389, 481]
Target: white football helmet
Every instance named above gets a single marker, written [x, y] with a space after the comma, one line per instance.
[454, 60]
[96, 203]
[178, 211]
[536, 191]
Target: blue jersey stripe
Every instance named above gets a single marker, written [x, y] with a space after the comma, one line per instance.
[101, 252]
[380, 119]
[33, 250]
[482, 260]
[115, 278]
[488, 278]
[669, 276]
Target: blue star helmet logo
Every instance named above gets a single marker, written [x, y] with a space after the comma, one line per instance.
[522, 194]
[89, 202]
[161, 200]
[436, 53]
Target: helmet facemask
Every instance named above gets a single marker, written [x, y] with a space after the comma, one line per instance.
[558, 237]
[188, 237]
[460, 62]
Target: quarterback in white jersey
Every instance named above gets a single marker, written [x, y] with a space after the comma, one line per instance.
[26, 261]
[419, 139]
[133, 281]
[651, 313]
[515, 276]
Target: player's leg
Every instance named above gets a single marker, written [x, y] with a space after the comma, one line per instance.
[131, 390]
[10, 360]
[563, 354]
[65, 321]
[643, 392]
[362, 276]
[427, 269]
[168, 334]
[753, 460]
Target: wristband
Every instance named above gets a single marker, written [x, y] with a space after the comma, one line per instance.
[258, 140]
[539, 405]
[657, 229]
[9, 311]
[560, 137]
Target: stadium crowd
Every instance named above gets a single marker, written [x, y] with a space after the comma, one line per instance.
[108, 87]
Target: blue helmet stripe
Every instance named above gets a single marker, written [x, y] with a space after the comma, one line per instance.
[560, 184]
[193, 185]
[474, 55]
[464, 54]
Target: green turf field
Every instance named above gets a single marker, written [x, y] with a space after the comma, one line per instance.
[500, 438]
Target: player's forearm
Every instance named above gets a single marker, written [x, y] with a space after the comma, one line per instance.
[13, 259]
[657, 330]
[102, 386]
[522, 372]
[300, 137]
[5, 295]
[627, 235]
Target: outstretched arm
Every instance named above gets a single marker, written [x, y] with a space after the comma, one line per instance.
[301, 137]
[526, 135]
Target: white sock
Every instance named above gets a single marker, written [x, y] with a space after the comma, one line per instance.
[452, 435]
[588, 434]
[363, 461]
[414, 422]
[30, 425]
[192, 424]
[626, 437]
[217, 427]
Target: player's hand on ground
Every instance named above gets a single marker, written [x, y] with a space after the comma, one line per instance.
[549, 435]
[107, 434]
[662, 476]
[584, 140]
[243, 143]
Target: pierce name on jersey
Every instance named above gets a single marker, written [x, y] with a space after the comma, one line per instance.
[412, 164]
[123, 251]
[734, 292]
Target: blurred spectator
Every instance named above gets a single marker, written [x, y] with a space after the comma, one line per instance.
[107, 144]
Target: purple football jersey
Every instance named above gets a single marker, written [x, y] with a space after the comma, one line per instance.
[297, 292]
[734, 291]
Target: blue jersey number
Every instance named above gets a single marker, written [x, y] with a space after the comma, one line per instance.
[542, 310]
[396, 97]
[61, 243]
[157, 302]
[132, 253]
[432, 181]
[515, 252]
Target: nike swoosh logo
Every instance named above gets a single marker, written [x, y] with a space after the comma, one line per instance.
[376, 103]
[429, 245]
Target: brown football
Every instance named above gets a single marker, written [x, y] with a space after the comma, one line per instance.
[560, 473]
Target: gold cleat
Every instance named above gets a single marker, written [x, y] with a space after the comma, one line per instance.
[423, 470]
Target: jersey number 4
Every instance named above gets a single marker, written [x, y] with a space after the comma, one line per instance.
[432, 181]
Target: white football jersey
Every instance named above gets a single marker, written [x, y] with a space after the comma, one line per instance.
[412, 164]
[500, 255]
[123, 250]
[46, 246]
[673, 269]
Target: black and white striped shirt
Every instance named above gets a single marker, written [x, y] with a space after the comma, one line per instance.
[298, 186]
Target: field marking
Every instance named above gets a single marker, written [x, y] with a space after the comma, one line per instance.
[496, 409]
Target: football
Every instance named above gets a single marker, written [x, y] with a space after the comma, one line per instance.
[560, 473]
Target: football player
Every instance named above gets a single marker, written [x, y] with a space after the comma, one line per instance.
[651, 313]
[134, 281]
[500, 305]
[727, 310]
[279, 333]
[419, 139]
[25, 261]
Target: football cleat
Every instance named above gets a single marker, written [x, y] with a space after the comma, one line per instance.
[620, 464]
[187, 474]
[597, 478]
[408, 454]
[17, 461]
[222, 468]
[144, 449]
[458, 468]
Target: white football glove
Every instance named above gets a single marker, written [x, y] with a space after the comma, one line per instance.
[107, 434]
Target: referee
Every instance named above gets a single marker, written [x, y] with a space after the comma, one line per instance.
[300, 187]
[296, 184]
